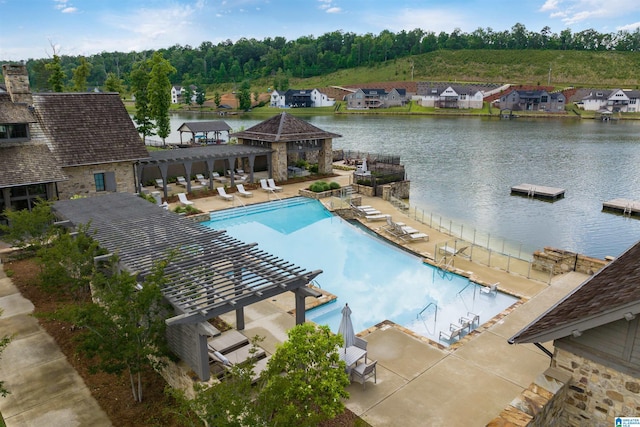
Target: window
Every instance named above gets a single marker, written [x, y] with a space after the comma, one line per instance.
[99, 179]
[14, 131]
[544, 98]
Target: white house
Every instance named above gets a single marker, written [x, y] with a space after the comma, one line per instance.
[320, 99]
[176, 94]
[277, 99]
[456, 96]
[616, 100]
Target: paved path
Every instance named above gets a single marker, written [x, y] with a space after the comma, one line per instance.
[45, 389]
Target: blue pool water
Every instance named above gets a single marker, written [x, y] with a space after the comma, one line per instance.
[378, 280]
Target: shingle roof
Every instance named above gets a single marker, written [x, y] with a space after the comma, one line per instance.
[11, 113]
[87, 128]
[283, 128]
[26, 164]
[605, 297]
[210, 126]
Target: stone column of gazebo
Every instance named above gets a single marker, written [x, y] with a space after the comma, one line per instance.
[285, 135]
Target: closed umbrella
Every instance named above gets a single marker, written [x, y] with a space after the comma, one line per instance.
[364, 165]
[346, 327]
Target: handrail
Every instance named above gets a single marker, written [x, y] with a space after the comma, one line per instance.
[429, 305]
[465, 287]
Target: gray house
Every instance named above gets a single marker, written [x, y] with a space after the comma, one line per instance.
[596, 338]
[533, 100]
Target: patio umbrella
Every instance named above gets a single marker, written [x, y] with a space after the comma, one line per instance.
[346, 328]
[364, 165]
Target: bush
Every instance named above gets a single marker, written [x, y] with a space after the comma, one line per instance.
[319, 187]
[313, 168]
[187, 210]
[334, 185]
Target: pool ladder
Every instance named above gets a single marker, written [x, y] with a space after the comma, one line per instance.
[427, 306]
[444, 267]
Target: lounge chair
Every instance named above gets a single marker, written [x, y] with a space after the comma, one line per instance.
[417, 236]
[160, 184]
[363, 372]
[243, 192]
[239, 172]
[182, 181]
[224, 194]
[202, 180]
[377, 217]
[490, 290]
[216, 177]
[272, 185]
[265, 186]
[182, 197]
[448, 250]
[454, 332]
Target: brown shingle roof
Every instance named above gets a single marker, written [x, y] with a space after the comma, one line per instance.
[210, 126]
[11, 113]
[605, 297]
[283, 128]
[28, 164]
[88, 128]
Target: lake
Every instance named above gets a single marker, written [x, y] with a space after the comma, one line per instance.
[463, 168]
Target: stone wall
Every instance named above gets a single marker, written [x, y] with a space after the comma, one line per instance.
[560, 261]
[598, 393]
[81, 181]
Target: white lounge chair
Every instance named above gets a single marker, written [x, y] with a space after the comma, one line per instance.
[272, 185]
[490, 290]
[160, 184]
[216, 177]
[363, 372]
[243, 192]
[377, 217]
[224, 194]
[265, 186]
[202, 180]
[183, 199]
[181, 181]
[454, 332]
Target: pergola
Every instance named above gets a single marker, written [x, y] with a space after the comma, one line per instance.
[204, 129]
[210, 273]
[207, 154]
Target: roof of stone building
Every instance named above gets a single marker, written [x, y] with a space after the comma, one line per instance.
[210, 126]
[611, 294]
[24, 164]
[284, 127]
[11, 113]
[87, 128]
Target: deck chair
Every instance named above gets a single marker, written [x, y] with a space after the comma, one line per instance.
[265, 186]
[182, 197]
[216, 177]
[181, 181]
[490, 290]
[363, 372]
[272, 185]
[202, 180]
[243, 192]
[160, 184]
[224, 194]
[377, 217]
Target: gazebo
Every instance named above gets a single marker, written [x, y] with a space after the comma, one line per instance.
[211, 273]
[200, 131]
[287, 136]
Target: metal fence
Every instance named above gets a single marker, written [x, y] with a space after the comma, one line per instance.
[477, 246]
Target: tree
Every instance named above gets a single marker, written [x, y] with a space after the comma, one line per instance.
[28, 228]
[125, 330]
[112, 83]
[217, 98]
[201, 97]
[140, 87]
[56, 79]
[187, 95]
[160, 93]
[244, 96]
[80, 75]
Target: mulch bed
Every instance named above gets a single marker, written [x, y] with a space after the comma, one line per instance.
[113, 392]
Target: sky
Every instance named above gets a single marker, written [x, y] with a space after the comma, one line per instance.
[32, 29]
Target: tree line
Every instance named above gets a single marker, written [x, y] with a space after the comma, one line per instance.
[308, 56]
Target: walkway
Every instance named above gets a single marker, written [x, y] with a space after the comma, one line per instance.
[45, 389]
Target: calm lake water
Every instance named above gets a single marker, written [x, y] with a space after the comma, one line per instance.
[463, 169]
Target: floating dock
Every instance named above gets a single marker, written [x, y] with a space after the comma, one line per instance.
[538, 191]
[623, 206]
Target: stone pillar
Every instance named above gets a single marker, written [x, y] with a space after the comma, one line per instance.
[325, 157]
[279, 161]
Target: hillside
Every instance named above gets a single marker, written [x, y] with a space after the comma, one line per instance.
[527, 67]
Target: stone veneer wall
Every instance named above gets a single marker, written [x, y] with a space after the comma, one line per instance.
[560, 261]
[81, 181]
[598, 393]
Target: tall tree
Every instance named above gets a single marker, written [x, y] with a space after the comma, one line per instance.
[140, 87]
[112, 83]
[217, 98]
[56, 79]
[80, 75]
[244, 96]
[160, 94]
[201, 96]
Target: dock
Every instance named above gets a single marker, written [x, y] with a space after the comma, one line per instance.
[538, 191]
[623, 206]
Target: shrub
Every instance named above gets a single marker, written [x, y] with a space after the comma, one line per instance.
[313, 168]
[334, 185]
[319, 187]
[187, 210]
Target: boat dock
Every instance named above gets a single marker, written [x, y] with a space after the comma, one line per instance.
[623, 206]
[538, 191]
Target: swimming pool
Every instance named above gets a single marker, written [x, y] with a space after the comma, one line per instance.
[378, 280]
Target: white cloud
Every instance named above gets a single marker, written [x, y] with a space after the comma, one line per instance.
[70, 10]
[586, 11]
[334, 10]
[549, 5]
[629, 27]
[435, 20]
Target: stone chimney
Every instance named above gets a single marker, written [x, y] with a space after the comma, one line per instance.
[16, 79]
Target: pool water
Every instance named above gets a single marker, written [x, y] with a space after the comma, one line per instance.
[378, 280]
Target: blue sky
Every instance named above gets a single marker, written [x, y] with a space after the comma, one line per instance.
[30, 28]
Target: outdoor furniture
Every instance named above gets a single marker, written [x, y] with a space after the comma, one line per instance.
[160, 184]
[378, 217]
[222, 193]
[182, 197]
[363, 372]
[454, 332]
[361, 343]
[227, 341]
[265, 186]
[490, 290]
[351, 355]
[243, 192]
[272, 185]
[182, 181]
[448, 250]
[202, 180]
[216, 177]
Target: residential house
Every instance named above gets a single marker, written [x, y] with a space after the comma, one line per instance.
[614, 101]
[395, 98]
[300, 98]
[177, 93]
[533, 100]
[366, 98]
[449, 96]
[57, 145]
[595, 332]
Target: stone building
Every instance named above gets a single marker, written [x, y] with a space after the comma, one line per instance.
[596, 339]
[57, 145]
